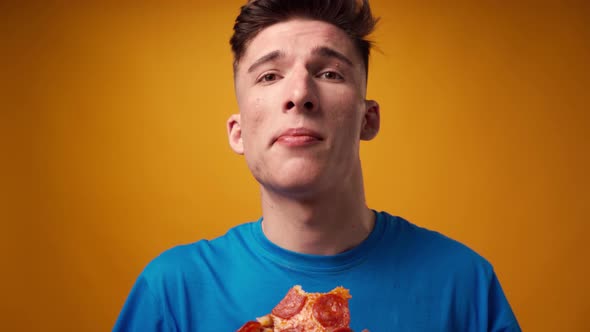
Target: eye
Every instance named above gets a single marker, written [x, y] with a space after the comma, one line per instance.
[331, 75]
[269, 77]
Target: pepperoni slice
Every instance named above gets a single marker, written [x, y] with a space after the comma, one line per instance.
[331, 310]
[251, 327]
[343, 329]
[291, 305]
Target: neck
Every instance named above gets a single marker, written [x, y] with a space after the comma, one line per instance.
[326, 223]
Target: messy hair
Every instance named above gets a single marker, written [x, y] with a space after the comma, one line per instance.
[354, 17]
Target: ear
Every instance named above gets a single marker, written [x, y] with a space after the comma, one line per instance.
[234, 133]
[371, 120]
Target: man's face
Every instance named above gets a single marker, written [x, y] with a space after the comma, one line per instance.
[300, 88]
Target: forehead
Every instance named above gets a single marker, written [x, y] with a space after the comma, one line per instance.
[298, 37]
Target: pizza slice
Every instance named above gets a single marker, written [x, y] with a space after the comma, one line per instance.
[299, 311]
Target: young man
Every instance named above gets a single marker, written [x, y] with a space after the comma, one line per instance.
[300, 80]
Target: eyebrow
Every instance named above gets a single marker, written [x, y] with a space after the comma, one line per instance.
[322, 51]
[331, 53]
[266, 58]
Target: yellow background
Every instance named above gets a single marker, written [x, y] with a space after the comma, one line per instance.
[114, 147]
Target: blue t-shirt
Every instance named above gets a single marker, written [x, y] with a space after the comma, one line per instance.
[401, 278]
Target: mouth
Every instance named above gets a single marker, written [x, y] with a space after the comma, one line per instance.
[296, 137]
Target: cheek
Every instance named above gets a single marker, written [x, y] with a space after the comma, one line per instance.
[257, 113]
[252, 119]
[348, 110]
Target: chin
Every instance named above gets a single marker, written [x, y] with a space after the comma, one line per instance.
[300, 184]
[297, 176]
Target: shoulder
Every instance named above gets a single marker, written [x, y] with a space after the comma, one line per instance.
[464, 276]
[188, 259]
[431, 248]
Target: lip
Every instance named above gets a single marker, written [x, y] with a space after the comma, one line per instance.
[298, 137]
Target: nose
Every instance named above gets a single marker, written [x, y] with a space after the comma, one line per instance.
[301, 93]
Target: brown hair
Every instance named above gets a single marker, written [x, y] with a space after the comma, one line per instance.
[354, 17]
